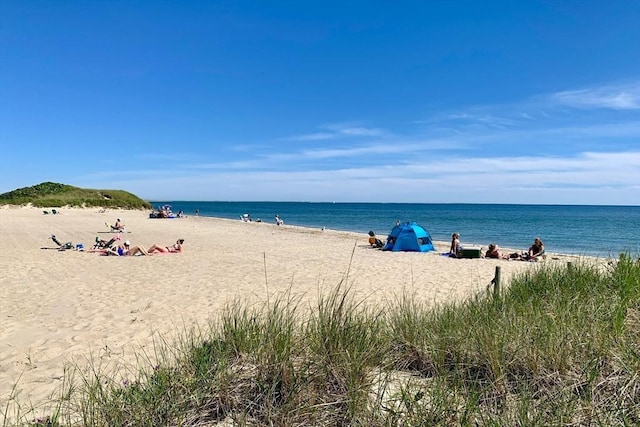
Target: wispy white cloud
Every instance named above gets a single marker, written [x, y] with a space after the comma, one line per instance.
[568, 105]
[589, 177]
[373, 149]
[577, 146]
[484, 119]
[319, 136]
[615, 97]
[337, 131]
[360, 131]
[158, 156]
[227, 165]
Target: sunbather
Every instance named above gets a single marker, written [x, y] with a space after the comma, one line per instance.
[495, 252]
[535, 252]
[127, 250]
[175, 248]
[118, 226]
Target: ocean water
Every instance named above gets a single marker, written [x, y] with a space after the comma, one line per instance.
[578, 230]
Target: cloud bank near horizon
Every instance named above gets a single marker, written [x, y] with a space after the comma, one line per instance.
[546, 149]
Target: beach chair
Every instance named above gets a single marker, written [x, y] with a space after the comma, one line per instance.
[61, 246]
[105, 244]
[115, 229]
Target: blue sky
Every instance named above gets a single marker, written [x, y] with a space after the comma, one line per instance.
[412, 101]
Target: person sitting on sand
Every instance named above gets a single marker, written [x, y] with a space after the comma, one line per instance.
[455, 249]
[118, 226]
[495, 252]
[535, 252]
[173, 249]
[128, 250]
[374, 241]
[279, 220]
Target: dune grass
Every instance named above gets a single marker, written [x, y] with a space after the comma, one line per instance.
[559, 346]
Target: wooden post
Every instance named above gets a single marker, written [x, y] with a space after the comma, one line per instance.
[496, 283]
[569, 266]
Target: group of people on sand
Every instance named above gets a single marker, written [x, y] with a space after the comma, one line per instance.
[534, 253]
[127, 250]
[165, 212]
[247, 218]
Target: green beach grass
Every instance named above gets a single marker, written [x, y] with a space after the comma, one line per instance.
[55, 195]
[559, 346]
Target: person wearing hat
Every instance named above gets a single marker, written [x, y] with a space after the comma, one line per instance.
[127, 250]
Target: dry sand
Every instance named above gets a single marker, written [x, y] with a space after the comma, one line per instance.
[57, 307]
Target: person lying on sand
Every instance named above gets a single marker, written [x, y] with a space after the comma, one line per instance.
[495, 252]
[175, 248]
[127, 250]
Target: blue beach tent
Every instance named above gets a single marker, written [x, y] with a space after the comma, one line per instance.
[409, 237]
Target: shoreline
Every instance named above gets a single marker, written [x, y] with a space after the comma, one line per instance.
[565, 230]
[64, 306]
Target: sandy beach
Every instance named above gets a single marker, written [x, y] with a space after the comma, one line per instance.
[66, 306]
